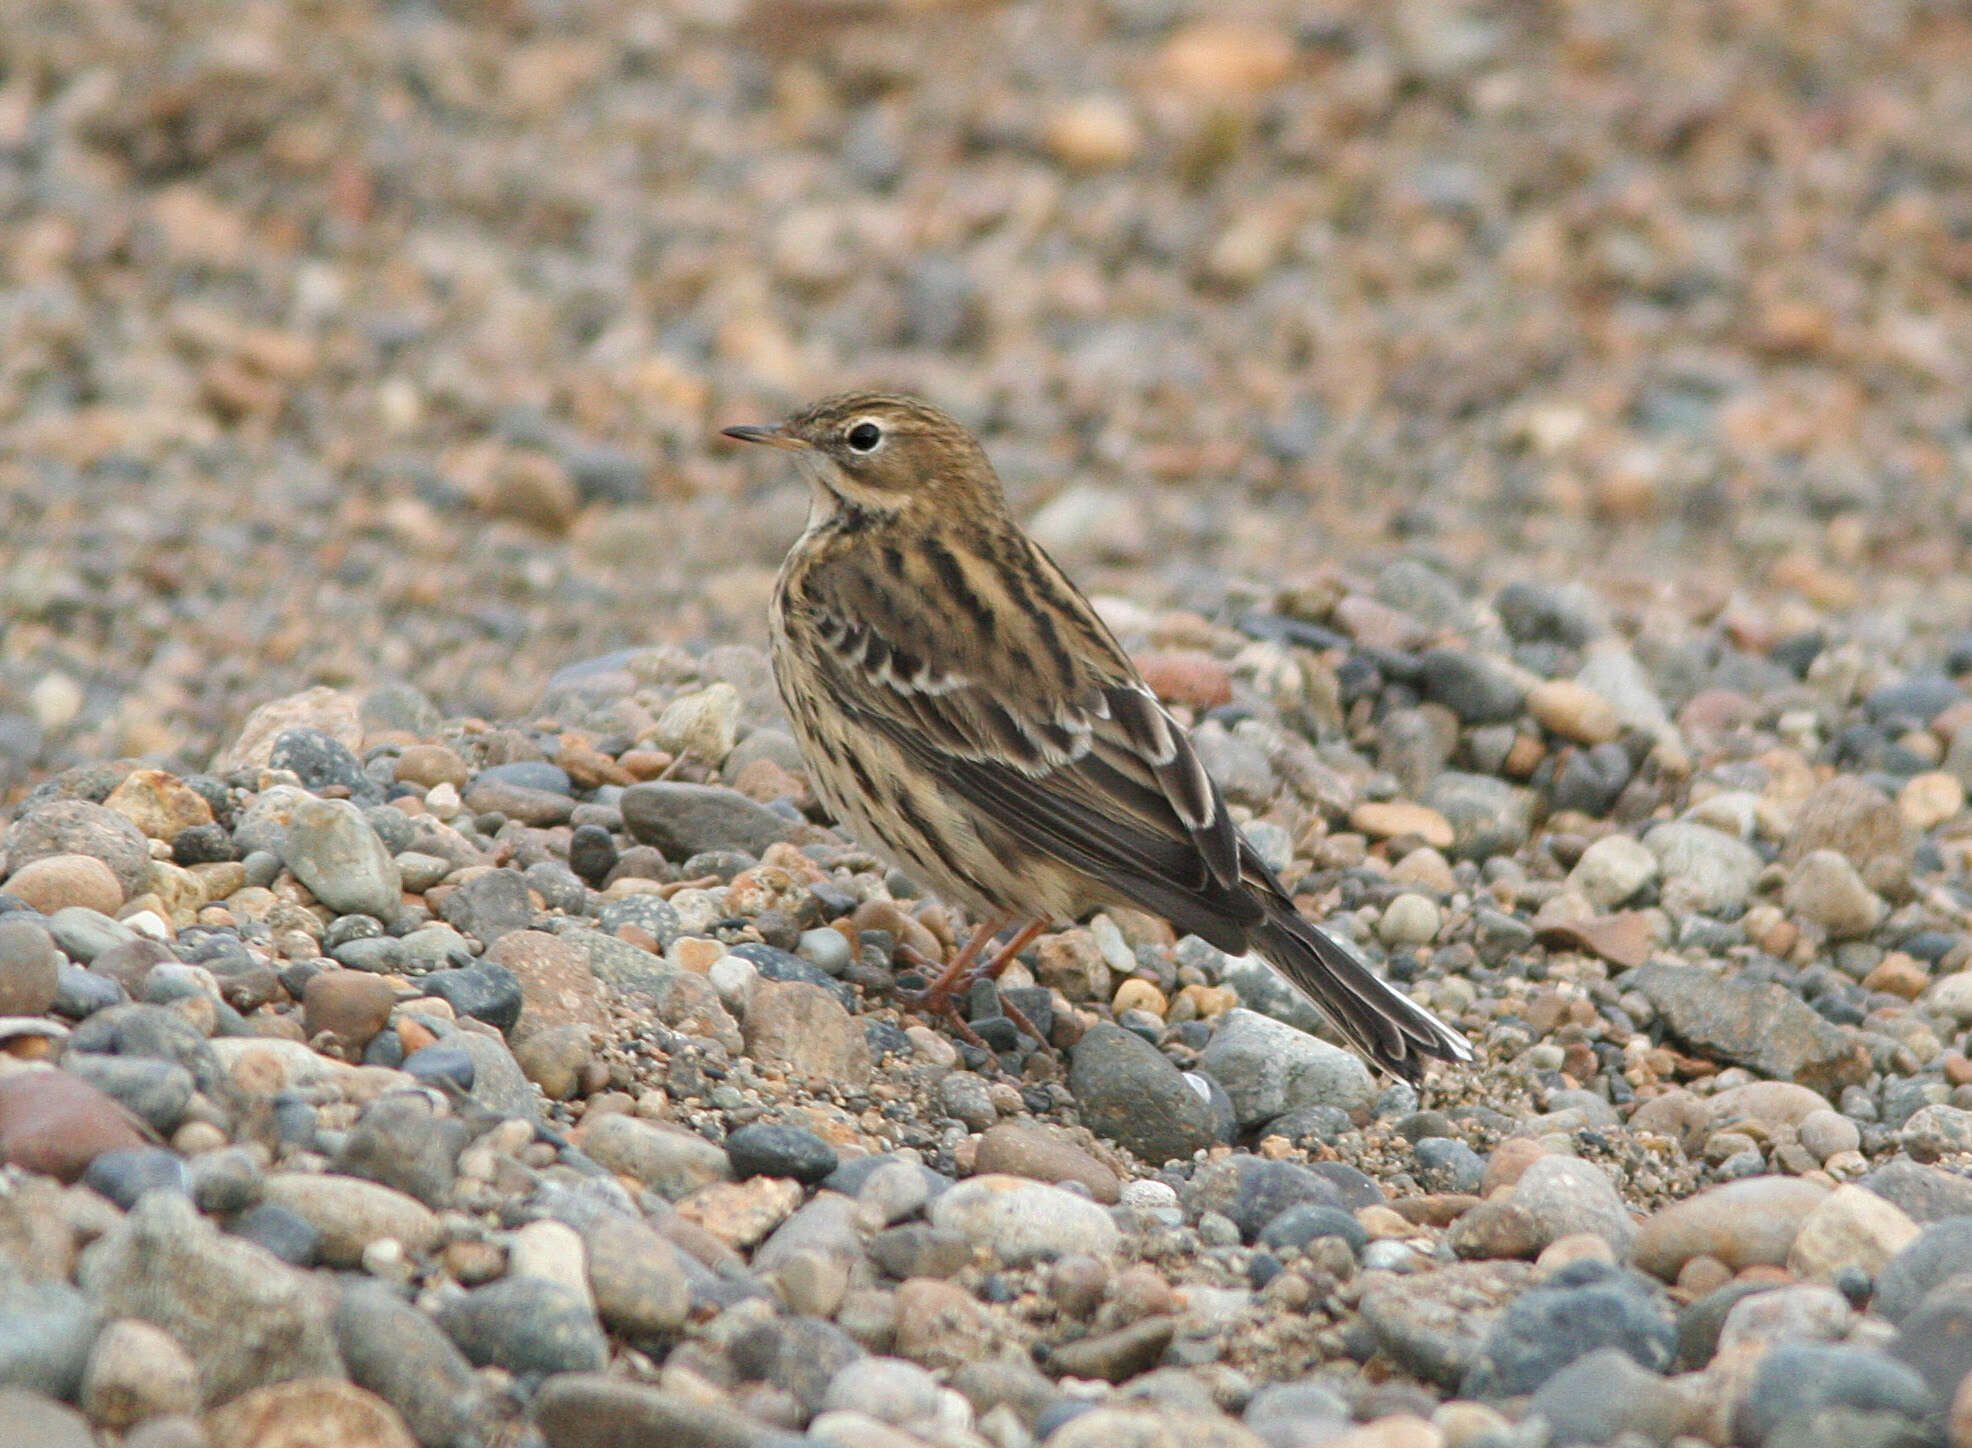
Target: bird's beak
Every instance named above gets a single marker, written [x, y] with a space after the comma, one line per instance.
[775, 436]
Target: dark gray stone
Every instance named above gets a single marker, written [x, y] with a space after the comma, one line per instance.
[683, 819]
[1131, 1094]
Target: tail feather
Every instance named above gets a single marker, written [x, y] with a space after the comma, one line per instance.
[1385, 1025]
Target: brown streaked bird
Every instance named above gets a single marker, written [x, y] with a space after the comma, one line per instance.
[965, 712]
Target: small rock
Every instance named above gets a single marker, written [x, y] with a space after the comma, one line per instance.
[670, 1160]
[137, 1371]
[1826, 889]
[1269, 1068]
[313, 1413]
[1851, 1227]
[56, 1123]
[1704, 870]
[1022, 1222]
[55, 882]
[240, 1313]
[350, 1214]
[685, 819]
[1612, 870]
[1742, 1224]
[30, 968]
[334, 852]
[804, 1031]
[1026, 1149]
[767, 1149]
[1574, 711]
[526, 1325]
[1130, 1093]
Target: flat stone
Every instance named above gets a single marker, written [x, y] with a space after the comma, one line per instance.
[57, 1123]
[1759, 1025]
[242, 1315]
[351, 1213]
[683, 820]
[1744, 1223]
[1021, 1222]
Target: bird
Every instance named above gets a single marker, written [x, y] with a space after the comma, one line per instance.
[965, 712]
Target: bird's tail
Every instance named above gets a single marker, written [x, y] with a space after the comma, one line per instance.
[1377, 1020]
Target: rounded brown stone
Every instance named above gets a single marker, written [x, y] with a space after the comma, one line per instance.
[56, 882]
[308, 1413]
[427, 765]
[55, 1123]
[1020, 1148]
[351, 1005]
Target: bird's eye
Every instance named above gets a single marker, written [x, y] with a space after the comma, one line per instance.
[864, 436]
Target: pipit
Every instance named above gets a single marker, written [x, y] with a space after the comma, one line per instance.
[965, 712]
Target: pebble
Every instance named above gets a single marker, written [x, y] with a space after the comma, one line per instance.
[1028, 1150]
[1826, 889]
[803, 1030]
[525, 1325]
[1802, 1381]
[1022, 1222]
[1612, 870]
[1409, 920]
[30, 969]
[1850, 1228]
[304, 1414]
[1269, 1068]
[683, 820]
[1130, 1093]
[351, 1214]
[397, 1352]
[1551, 1326]
[666, 1158]
[57, 1123]
[1742, 1224]
[766, 1149]
[137, 1371]
[55, 882]
[1574, 711]
[68, 827]
[332, 850]
[1704, 871]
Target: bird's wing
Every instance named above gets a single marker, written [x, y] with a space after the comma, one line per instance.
[996, 675]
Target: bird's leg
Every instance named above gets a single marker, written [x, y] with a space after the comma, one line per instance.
[964, 970]
[996, 967]
[938, 998]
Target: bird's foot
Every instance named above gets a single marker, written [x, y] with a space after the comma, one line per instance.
[954, 981]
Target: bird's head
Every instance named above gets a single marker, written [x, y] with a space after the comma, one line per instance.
[883, 454]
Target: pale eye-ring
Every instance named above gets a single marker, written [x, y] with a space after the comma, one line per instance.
[864, 436]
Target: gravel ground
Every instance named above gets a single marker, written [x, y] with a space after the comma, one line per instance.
[1531, 446]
